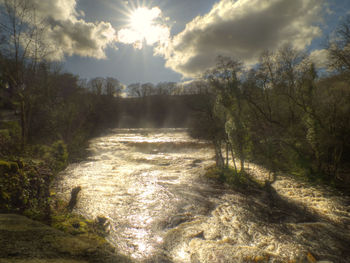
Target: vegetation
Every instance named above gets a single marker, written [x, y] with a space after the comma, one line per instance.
[283, 113]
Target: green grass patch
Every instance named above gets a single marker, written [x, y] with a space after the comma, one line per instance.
[227, 175]
[75, 224]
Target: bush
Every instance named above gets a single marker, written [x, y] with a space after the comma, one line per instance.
[9, 138]
[227, 175]
[59, 155]
[24, 188]
[56, 155]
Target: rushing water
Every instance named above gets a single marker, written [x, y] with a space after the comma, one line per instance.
[149, 185]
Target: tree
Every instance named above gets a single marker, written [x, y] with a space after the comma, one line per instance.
[230, 105]
[339, 47]
[207, 124]
[134, 90]
[147, 89]
[97, 85]
[113, 87]
[23, 48]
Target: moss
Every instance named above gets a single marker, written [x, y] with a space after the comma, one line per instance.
[225, 175]
[24, 188]
[75, 224]
[7, 166]
[5, 133]
[238, 180]
[54, 155]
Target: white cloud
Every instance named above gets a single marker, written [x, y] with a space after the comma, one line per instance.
[80, 38]
[242, 29]
[320, 57]
[67, 33]
[55, 9]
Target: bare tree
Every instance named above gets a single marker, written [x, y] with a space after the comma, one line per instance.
[97, 85]
[339, 47]
[113, 87]
[134, 89]
[147, 89]
[23, 47]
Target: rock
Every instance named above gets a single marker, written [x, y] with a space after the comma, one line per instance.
[178, 219]
[199, 235]
[101, 220]
[74, 198]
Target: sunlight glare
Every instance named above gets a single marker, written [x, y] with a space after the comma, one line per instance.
[142, 19]
[145, 25]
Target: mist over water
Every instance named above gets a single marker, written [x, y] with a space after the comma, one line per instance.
[149, 185]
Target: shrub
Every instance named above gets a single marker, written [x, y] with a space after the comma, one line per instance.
[24, 188]
[227, 175]
[9, 138]
[56, 155]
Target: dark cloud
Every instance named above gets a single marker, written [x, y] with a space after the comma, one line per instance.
[243, 29]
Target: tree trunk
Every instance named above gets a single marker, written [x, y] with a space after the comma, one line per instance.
[242, 164]
[227, 156]
[23, 124]
[233, 159]
[218, 155]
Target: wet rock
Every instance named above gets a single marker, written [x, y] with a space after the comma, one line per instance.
[74, 198]
[102, 225]
[196, 162]
[199, 235]
[178, 219]
[101, 220]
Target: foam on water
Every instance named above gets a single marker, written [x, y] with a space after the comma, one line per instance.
[148, 183]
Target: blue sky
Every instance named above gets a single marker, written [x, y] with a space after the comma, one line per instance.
[129, 64]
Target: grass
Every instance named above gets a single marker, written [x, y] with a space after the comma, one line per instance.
[238, 180]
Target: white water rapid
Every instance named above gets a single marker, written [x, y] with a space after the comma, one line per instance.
[149, 185]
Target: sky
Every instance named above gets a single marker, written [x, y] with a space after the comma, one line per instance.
[177, 40]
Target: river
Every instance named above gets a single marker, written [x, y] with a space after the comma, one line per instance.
[149, 185]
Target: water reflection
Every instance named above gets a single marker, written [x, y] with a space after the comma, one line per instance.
[128, 178]
[148, 184]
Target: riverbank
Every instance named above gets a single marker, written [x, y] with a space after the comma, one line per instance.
[25, 240]
[26, 195]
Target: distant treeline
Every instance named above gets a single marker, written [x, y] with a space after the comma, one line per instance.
[51, 106]
[158, 111]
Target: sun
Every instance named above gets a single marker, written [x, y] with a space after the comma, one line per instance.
[142, 19]
[146, 26]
